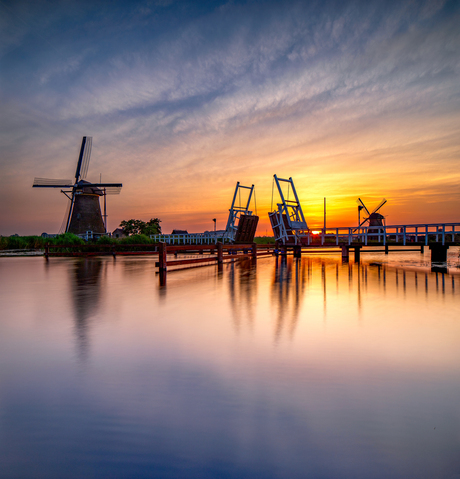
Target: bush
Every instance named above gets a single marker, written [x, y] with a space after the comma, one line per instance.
[136, 239]
[22, 242]
[107, 240]
[66, 238]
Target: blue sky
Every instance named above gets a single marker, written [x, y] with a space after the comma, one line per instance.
[184, 99]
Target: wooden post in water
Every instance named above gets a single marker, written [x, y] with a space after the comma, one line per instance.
[47, 250]
[438, 252]
[254, 251]
[162, 257]
[357, 253]
[220, 253]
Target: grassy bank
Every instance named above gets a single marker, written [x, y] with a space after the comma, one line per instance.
[38, 243]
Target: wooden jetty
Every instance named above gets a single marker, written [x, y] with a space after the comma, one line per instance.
[168, 255]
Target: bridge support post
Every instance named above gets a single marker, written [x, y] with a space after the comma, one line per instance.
[345, 252]
[357, 253]
[254, 251]
[438, 253]
[386, 249]
[297, 251]
[162, 256]
[422, 249]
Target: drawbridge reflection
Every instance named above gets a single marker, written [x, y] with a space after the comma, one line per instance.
[309, 286]
[242, 283]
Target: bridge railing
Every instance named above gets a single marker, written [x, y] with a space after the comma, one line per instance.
[438, 232]
[190, 238]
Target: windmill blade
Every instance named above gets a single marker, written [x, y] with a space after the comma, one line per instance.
[360, 202]
[86, 157]
[103, 185]
[113, 190]
[362, 222]
[380, 205]
[51, 183]
[83, 156]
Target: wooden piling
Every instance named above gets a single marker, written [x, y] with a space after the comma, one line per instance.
[220, 253]
[438, 253]
[254, 251]
[162, 256]
[357, 253]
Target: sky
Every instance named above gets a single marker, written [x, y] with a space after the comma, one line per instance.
[185, 98]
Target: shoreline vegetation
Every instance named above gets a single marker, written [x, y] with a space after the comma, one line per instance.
[39, 242]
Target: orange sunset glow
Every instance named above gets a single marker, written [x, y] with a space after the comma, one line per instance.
[360, 101]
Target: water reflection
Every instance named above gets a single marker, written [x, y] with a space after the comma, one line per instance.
[292, 279]
[85, 286]
[242, 290]
[266, 370]
[287, 291]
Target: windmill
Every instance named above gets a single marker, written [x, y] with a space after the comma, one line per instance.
[374, 218]
[84, 209]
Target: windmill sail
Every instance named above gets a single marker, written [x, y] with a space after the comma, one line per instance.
[380, 205]
[360, 202]
[86, 157]
[83, 158]
[50, 183]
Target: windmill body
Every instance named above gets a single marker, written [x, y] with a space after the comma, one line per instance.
[374, 220]
[84, 210]
[86, 213]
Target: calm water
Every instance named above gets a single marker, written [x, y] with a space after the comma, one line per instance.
[288, 369]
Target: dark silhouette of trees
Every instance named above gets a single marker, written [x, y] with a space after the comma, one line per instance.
[139, 227]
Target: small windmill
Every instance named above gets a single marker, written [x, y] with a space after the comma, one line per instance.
[374, 218]
[84, 210]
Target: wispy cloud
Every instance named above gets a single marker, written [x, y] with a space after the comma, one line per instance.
[185, 93]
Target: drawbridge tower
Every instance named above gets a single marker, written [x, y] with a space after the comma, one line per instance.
[287, 220]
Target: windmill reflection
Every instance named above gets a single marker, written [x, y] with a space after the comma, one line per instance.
[86, 291]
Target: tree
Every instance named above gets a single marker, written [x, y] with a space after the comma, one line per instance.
[152, 227]
[139, 227]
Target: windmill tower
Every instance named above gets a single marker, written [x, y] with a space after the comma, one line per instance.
[374, 218]
[84, 209]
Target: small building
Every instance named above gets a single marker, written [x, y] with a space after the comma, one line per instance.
[119, 233]
[179, 232]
